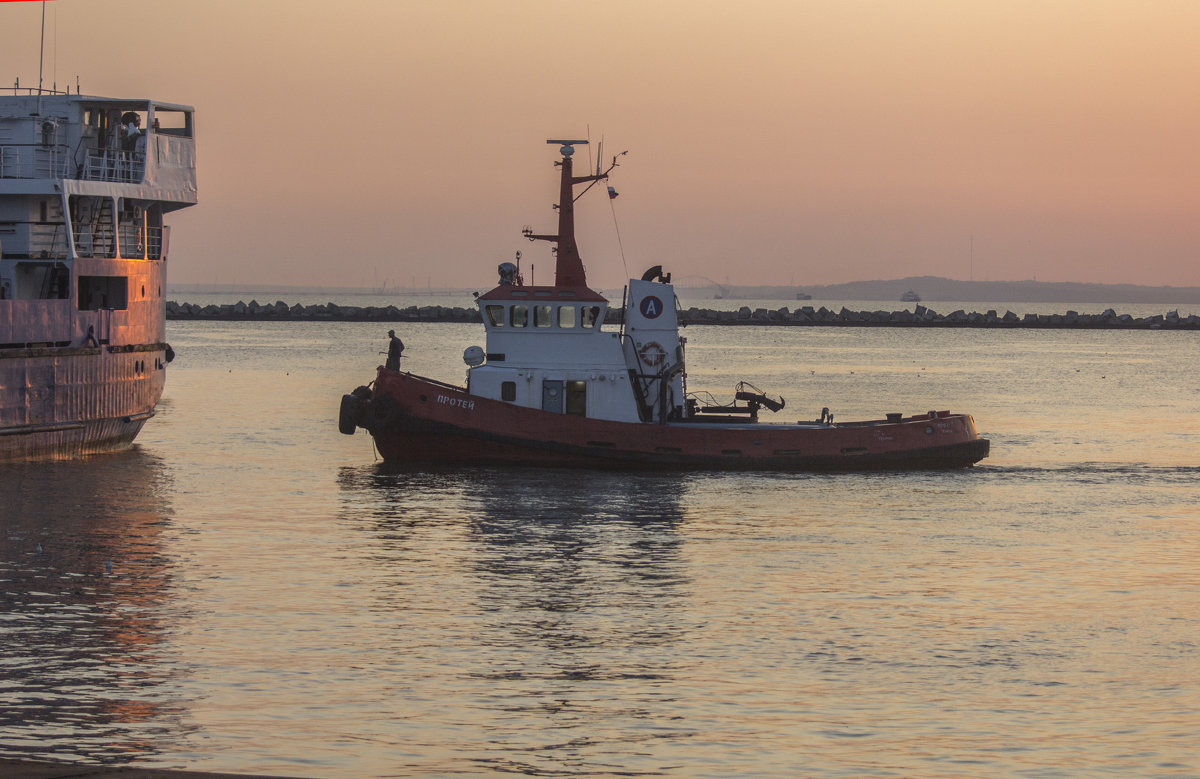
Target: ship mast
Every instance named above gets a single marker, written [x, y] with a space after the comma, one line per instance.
[568, 269]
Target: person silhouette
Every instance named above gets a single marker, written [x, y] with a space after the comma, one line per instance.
[395, 348]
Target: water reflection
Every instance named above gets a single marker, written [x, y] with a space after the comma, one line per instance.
[563, 605]
[559, 557]
[535, 541]
[81, 609]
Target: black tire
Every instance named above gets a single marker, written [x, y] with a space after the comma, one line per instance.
[349, 414]
[382, 411]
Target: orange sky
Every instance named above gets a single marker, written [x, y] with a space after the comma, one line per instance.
[351, 143]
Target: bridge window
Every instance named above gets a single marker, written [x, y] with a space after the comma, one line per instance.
[520, 316]
[566, 316]
[508, 390]
[541, 316]
[168, 121]
[495, 315]
[589, 316]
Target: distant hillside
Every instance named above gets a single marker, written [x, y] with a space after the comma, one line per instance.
[934, 288]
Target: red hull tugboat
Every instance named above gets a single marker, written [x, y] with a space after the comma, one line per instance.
[554, 388]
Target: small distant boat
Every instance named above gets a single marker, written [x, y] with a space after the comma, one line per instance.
[553, 388]
[910, 297]
[803, 296]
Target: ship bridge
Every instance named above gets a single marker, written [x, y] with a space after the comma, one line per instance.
[546, 349]
[76, 138]
[90, 177]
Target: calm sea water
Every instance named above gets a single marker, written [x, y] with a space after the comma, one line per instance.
[246, 590]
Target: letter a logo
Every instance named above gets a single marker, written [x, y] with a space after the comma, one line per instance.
[651, 307]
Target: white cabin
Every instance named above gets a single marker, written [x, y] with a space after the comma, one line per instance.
[547, 349]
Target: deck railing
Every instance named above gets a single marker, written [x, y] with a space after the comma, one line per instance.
[141, 242]
[55, 161]
[49, 241]
[123, 166]
[95, 240]
[10, 162]
[35, 161]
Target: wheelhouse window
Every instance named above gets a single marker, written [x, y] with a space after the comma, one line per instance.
[494, 314]
[588, 316]
[520, 316]
[541, 316]
[566, 317]
[171, 121]
[508, 391]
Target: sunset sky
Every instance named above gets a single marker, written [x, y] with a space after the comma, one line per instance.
[360, 142]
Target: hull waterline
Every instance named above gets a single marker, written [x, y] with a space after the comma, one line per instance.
[425, 423]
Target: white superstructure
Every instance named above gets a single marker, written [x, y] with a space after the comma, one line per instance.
[547, 349]
[85, 185]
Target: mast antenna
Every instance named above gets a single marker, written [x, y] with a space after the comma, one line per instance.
[41, 57]
[54, 54]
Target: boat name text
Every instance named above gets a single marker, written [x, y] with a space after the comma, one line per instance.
[469, 405]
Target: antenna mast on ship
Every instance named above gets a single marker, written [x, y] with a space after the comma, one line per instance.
[41, 58]
[568, 268]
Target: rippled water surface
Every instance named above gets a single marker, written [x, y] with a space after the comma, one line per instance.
[248, 591]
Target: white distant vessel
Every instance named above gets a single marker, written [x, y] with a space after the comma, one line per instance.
[85, 184]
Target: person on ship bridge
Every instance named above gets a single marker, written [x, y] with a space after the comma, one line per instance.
[131, 130]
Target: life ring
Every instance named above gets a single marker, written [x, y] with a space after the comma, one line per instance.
[652, 354]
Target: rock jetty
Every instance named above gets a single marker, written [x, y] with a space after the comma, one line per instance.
[805, 316]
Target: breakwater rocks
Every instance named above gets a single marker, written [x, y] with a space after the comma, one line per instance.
[805, 316]
[325, 312]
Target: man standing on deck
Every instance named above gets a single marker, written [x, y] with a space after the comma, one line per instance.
[395, 348]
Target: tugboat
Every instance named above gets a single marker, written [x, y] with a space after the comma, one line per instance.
[85, 183]
[553, 387]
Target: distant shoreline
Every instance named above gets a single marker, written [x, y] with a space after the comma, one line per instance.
[804, 316]
[931, 289]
